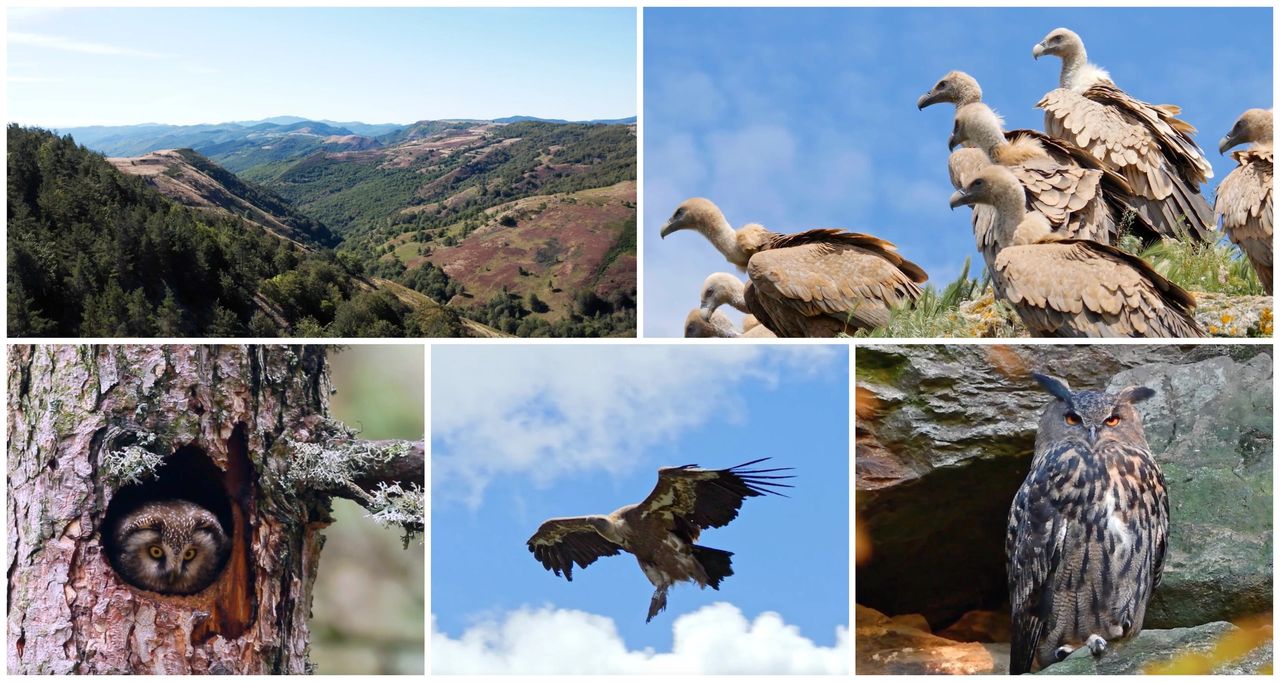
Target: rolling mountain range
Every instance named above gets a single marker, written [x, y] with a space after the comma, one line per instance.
[521, 227]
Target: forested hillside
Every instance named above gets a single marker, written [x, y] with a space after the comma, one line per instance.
[94, 252]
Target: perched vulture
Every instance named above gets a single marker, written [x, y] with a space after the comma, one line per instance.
[1072, 287]
[813, 283]
[723, 288]
[1070, 196]
[661, 530]
[715, 326]
[963, 165]
[1145, 143]
[1244, 197]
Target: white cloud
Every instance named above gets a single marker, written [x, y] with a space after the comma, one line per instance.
[716, 639]
[543, 412]
[53, 42]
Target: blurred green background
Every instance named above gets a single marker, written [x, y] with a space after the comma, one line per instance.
[368, 614]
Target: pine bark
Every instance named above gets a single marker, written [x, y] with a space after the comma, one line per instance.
[241, 407]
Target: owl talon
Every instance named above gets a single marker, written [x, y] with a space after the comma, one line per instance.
[1096, 644]
[1062, 652]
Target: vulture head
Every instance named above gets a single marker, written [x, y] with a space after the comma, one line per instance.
[696, 214]
[976, 125]
[1253, 125]
[1061, 42]
[956, 87]
[963, 165]
[715, 326]
[719, 289]
[994, 186]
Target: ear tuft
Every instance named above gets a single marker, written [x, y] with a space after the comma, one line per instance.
[1055, 386]
[1135, 394]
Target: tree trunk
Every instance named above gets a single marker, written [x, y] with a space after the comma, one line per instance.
[242, 430]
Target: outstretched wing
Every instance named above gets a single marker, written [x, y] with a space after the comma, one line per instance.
[559, 543]
[710, 498]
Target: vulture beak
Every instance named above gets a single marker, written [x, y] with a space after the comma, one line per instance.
[924, 101]
[1037, 50]
[706, 313]
[959, 198]
[668, 229]
[1227, 142]
[952, 142]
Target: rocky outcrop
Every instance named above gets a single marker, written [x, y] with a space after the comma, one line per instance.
[894, 646]
[944, 438]
[1204, 649]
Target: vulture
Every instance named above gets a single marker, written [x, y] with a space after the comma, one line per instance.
[1072, 287]
[1145, 143]
[723, 288]
[1244, 197]
[1070, 196]
[963, 165]
[817, 283]
[662, 530]
[957, 87]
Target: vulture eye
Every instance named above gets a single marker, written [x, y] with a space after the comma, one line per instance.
[155, 551]
[977, 183]
[1073, 419]
[1112, 420]
[940, 85]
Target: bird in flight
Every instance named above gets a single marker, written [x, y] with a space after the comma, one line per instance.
[662, 530]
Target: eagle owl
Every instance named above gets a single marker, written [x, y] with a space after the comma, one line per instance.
[170, 547]
[1087, 530]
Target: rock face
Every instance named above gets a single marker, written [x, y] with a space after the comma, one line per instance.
[944, 438]
[888, 646]
[1163, 647]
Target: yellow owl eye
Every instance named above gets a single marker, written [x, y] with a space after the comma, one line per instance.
[1073, 418]
[1112, 420]
[155, 551]
[189, 554]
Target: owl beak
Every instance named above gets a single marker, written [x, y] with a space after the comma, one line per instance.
[1093, 435]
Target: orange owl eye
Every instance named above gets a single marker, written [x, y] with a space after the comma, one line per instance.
[1073, 418]
[189, 554]
[1112, 420]
[155, 551]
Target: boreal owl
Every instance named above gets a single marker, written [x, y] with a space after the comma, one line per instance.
[170, 547]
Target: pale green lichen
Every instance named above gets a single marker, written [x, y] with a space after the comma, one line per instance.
[132, 464]
[392, 505]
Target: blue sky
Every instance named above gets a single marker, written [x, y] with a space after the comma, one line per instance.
[183, 66]
[521, 434]
[804, 118]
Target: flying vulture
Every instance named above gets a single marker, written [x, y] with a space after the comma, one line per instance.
[814, 283]
[1244, 197]
[722, 288]
[1145, 143]
[1070, 196]
[662, 530]
[1072, 287]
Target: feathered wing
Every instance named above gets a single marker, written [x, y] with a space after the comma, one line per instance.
[560, 543]
[1080, 288]
[823, 282]
[1244, 202]
[1145, 143]
[1033, 550]
[694, 498]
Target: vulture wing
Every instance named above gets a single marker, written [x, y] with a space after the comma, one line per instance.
[822, 282]
[1145, 143]
[1079, 288]
[1244, 202]
[1070, 198]
[693, 498]
[559, 543]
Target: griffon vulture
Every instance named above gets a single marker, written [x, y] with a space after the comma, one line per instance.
[813, 283]
[1146, 143]
[1072, 287]
[715, 326]
[1244, 197]
[957, 87]
[661, 530]
[722, 288]
[1069, 196]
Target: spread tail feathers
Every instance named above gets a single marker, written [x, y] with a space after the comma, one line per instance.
[715, 562]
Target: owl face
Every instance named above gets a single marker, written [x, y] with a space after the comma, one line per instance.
[171, 547]
[1093, 416]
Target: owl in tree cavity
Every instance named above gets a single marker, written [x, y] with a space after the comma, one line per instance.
[1087, 530]
[170, 547]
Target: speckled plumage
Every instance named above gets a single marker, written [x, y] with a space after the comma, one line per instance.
[1087, 530]
[170, 547]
